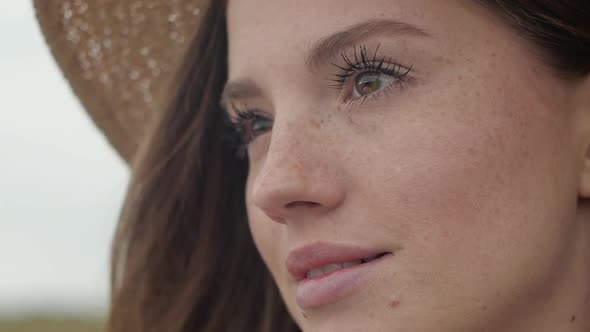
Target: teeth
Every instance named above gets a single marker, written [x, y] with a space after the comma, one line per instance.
[353, 263]
[334, 267]
[330, 268]
[315, 273]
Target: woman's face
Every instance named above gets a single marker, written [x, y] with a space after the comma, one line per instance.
[426, 133]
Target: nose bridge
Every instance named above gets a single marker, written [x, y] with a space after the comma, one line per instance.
[299, 174]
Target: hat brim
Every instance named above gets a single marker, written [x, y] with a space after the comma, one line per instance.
[119, 57]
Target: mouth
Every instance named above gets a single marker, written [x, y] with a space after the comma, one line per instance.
[326, 273]
[330, 268]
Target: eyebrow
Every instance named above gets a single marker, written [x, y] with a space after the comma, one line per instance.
[240, 89]
[326, 48]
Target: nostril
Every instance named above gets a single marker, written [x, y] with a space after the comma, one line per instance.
[301, 203]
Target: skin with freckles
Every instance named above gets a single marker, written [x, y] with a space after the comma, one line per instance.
[471, 168]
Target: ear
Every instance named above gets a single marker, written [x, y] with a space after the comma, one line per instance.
[581, 103]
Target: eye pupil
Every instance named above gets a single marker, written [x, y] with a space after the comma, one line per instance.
[367, 83]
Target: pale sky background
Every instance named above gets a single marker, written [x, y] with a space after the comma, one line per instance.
[61, 184]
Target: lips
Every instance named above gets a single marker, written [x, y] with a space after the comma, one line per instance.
[327, 269]
[310, 258]
[327, 273]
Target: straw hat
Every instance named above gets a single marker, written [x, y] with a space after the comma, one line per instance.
[119, 57]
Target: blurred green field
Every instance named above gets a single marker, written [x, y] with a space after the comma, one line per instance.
[51, 325]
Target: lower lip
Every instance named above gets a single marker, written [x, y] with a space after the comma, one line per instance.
[331, 287]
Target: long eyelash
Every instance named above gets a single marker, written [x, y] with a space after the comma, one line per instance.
[364, 63]
[233, 129]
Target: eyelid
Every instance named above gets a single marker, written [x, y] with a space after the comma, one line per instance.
[239, 123]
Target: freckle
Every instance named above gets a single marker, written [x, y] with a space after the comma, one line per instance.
[497, 211]
[394, 304]
[315, 123]
[573, 318]
[484, 308]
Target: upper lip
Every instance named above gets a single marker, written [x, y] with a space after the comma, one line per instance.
[308, 257]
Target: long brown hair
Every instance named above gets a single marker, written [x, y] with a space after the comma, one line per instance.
[183, 257]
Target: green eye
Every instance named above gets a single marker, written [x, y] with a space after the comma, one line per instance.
[370, 82]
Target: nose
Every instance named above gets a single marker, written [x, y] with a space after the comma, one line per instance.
[300, 179]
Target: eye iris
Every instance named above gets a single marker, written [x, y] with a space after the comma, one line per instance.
[367, 83]
[254, 127]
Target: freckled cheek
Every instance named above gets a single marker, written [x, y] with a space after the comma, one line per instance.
[468, 187]
[437, 189]
[443, 181]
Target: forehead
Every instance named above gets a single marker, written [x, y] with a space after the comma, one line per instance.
[284, 30]
[311, 17]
